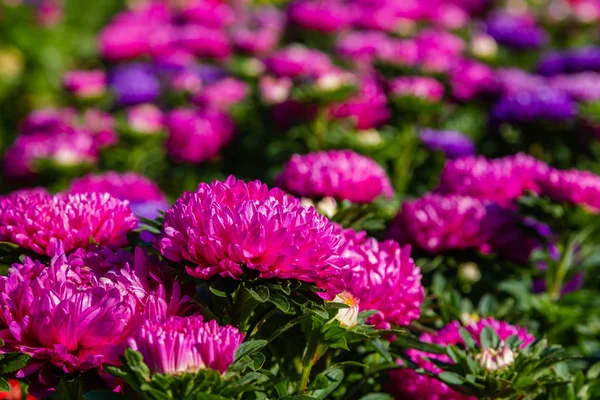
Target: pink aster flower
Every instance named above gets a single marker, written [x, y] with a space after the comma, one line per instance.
[37, 221]
[85, 84]
[470, 78]
[361, 46]
[368, 108]
[204, 42]
[298, 61]
[186, 345]
[274, 90]
[145, 119]
[437, 223]
[501, 180]
[572, 186]
[438, 49]
[49, 120]
[222, 94]
[260, 30]
[210, 13]
[418, 86]
[323, 16]
[406, 384]
[100, 126]
[77, 312]
[225, 225]
[342, 174]
[143, 194]
[398, 52]
[383, 277]
[68, 149]
[197, 136]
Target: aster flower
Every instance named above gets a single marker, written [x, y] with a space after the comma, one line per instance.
[513, 80]
[298, 61]
[519, 32]
[145, 119]
[213, 14]
[584, 86]
[223, 94]
[438, 49]
[406, 384]
[421, 87]
[274, 90]
[570, 61]
[398, 52]
[124, 41]
[100, 126]
[500, 180]
[323, 16]
[342, 174]
[437, 223]
[572, 186]
[452, 143]
[77, 312]
[141, 192]
[383, 277]
[225, 225]
[204, 41]
[67, 149]
[260, 30]
[368, 108]
[197, 136]
[470, 78]
[48, 120]
[545, 103]
[186, 345]
[37, 221]
[134, 84]
[85, 84]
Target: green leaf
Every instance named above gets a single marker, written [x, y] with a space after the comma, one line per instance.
[4, 386]
[451, 378]
[281, 303]
[250, 347]
[259, 293]
[334, 378]
[8, 247]
[467, 338]
[377, 396]
[489, 338]
[410, 342]
[13, 362]
[103, 395]
[217, 292]
[523, 382]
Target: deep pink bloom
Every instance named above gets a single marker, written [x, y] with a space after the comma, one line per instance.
[39, 221]
[368, 108]
[77, 312]
[437, 223]
[85, 84]
[145, 119]
[438, 49]
[209, 13]
[342, 174]
[398, 52]
[225, 225]
[124, 41]
[361, 46]
[65, 149]
[204, 42]
[186, 345]
[197, 136]
[406, 384]
[501, 180]
[100, 126]
[274, 90]
[572, 186]
[49, 120]
[298, 61]
[321, 15]
[470, 78]
[222, 94]
[260, 30]
[383, 277]
[418, 86]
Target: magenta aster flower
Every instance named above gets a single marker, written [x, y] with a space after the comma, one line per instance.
[274, 90]
[572, 186]
[260, 30]
[141, 192]
[584, 86]
[514, 80]
[67, 149]
[223, 94]
[214, 14]
[186, 345]
[470, 78]
[197, 136]
[501, 180]
[298, 61]
[422, 87]
[398, 52]
[342, 174]
[145, 119]
[406, 384]
[323, 16]
[383, 277]
[438, 49]
[225, 225]
[85, 84]
[437, 223]
[368, 108]
[204, 42]
[77, 312]
[49, 120]
[37, 221]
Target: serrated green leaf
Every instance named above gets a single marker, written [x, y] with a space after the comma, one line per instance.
[281, 303]
[259, 293]
[247, 348]
[12, 362]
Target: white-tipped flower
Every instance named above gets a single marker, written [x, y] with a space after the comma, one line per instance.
[496, 360]
[347, 317]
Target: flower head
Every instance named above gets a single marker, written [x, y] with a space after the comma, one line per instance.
[570, 61]
[545, 103]
[341, 174]
[145, 119]
[347, 317]
[406, 384]
[572, 186]
[298, 61]
[226, 225]
[383, 277]
[422, 87]
[452, 143]
[519, 32]
[323, 16]
[367, 109]
[584, 86]
[85, 84]
[223, 94]
[38, 222]
[134, 84]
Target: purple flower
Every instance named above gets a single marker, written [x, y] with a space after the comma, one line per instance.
[223, 94]
[321, 15]
[383, 277]
[186, 345]
[584, 86]
[85, 84]
[368, 108]
[545, 103]
[509, 81]
[570, 61]
[197, 136]
[519, 32]
[143, 194]
[421, 87]
[226, 225]
[342, 174]
[437, 223]
[145, 119]
[452, 143]
[572, 186]
[38, 222]
[134, 84]
[500, 180]
[298, 61]
[78, 311]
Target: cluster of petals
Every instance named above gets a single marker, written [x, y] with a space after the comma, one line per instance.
[453, 144]
[367, 109]
[224, 226]
[572, 186]
[423, 87]
[342, 174]
[77, 312]
[526, 106]
[38, 221]
[500, 180]
[383, 277]
[186, 344]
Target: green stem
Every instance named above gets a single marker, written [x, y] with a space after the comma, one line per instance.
[308, 360]
[261, 320]
[320, 127]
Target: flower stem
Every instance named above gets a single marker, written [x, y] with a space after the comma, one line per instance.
[308, 360]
